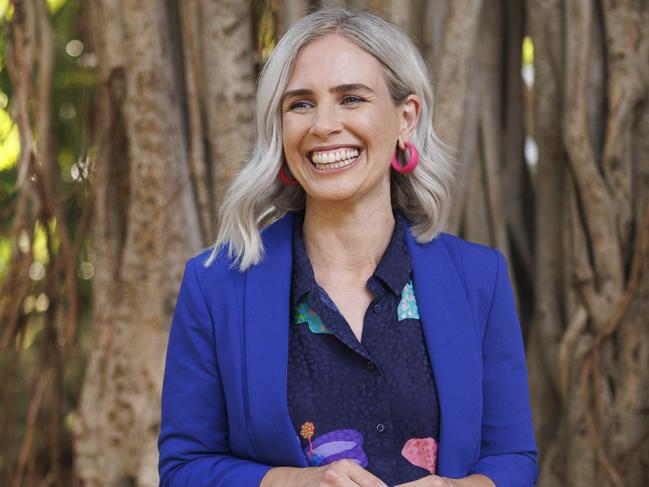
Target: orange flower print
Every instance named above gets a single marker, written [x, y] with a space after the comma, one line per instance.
[306, 431]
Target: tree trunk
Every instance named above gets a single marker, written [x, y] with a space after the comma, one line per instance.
[227, 45]
[475, 54]
[589, 337]
[147, 217]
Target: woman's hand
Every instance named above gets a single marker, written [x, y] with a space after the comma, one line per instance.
[431, 481]
[435, 481]
[343, 473]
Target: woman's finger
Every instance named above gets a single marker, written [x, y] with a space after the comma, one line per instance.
[430, 481]
[336, 477]
[357, 475]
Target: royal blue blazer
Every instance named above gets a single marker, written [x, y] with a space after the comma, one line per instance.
[225, 419]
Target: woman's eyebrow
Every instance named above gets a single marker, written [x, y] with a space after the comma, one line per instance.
[335, 89]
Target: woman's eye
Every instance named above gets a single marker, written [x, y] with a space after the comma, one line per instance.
[352, 99]
[298, 105]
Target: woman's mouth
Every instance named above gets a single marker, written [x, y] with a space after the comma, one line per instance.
[334, 159]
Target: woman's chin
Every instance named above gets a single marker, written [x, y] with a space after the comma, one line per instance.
[331, 195]
[350, 192]
[336, 186]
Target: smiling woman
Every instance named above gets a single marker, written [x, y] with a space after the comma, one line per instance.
[334, 335]
[337, 100]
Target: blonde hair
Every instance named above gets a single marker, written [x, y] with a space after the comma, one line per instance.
[256, 198]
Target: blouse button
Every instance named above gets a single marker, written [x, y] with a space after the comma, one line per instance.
[380, 427]
[370, 365]
[377, 308]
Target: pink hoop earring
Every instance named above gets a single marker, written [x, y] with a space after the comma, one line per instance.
[412, 162]
[283, 177]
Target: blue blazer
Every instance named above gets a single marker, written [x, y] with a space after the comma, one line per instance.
[225, 419]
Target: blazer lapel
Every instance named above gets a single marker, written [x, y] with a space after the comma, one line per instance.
[266, 318]
[454, 350]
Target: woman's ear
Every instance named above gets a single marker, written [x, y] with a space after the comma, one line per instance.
[410, 111]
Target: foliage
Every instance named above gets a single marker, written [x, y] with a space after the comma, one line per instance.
[44, 307]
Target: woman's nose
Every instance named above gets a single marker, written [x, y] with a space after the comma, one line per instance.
[325, 122]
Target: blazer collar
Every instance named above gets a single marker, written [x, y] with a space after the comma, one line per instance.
[449, 331]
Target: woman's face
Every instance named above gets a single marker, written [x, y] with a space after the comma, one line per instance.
[340, 126]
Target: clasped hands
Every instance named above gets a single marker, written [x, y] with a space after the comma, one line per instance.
[347, 473]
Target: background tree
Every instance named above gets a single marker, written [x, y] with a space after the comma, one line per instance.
[552, 169]
[589, 341]
[45, 210]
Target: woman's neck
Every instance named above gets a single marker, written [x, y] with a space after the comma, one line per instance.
[343, 238]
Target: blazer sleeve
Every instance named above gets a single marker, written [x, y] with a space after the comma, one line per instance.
[193, 441]
[508, 454]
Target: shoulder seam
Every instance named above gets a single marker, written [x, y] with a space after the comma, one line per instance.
[459, 267]
[495, 286]
[461, 264]
[192, 264]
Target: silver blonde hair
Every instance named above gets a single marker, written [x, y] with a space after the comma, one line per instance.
[257, 198]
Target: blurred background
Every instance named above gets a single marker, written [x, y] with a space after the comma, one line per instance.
[122, 122]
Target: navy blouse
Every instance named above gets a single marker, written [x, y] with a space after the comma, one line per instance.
[373, 401]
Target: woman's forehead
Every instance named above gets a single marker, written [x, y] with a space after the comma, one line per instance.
[331, 61]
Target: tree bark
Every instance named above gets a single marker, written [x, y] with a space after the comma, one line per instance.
[588, 338]
[146, 226]
[229, 81]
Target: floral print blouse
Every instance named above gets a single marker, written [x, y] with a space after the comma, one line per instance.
[373, 401]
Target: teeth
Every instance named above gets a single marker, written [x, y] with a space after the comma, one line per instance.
[335, 165]
[333, 157]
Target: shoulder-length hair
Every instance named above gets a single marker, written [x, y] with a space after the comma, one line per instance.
[256, 197]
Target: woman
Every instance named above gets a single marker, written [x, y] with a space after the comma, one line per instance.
[349, 343]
